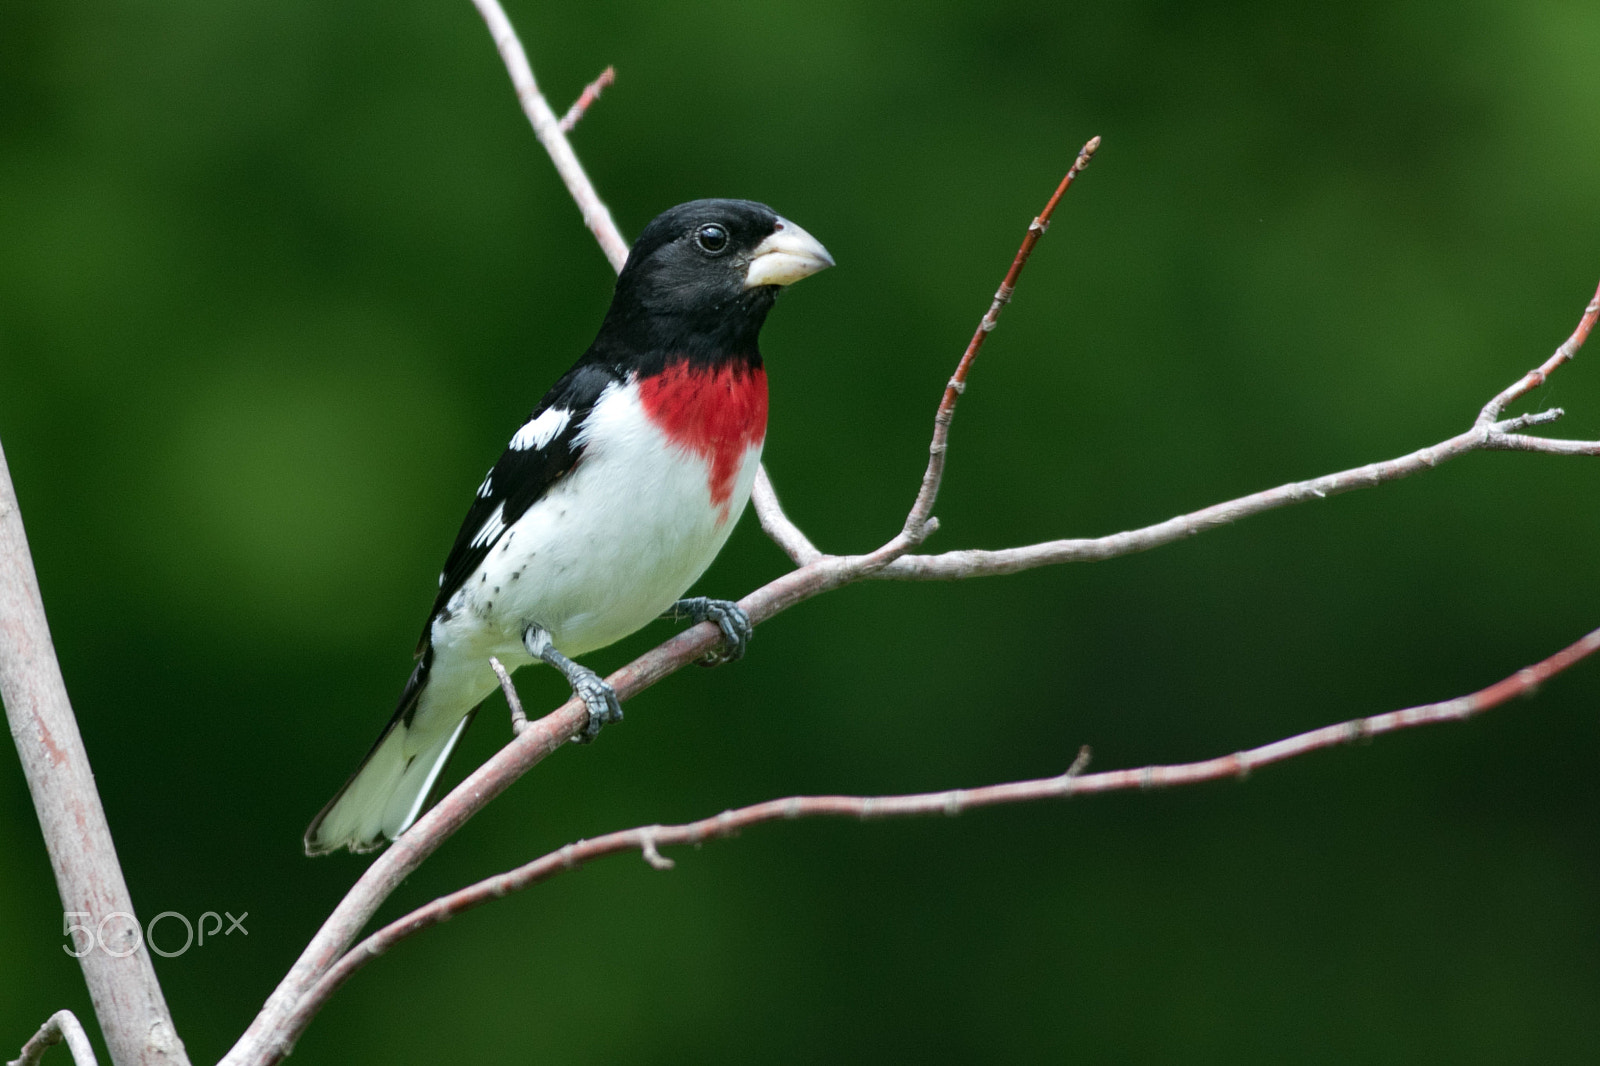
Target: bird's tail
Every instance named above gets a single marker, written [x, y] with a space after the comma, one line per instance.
[390, 788]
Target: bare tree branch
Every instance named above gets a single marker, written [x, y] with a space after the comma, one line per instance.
[122, 984]
[537, 739]
[1534, 378]
[549, 130]
[1516, 442]
[590, 94]
[265, 1039]
[62, 1026]
[1483, 436]
[647, 840]
[519, 717]
[920, 522]
[775, 524]
[272, 1034]
[552, 135]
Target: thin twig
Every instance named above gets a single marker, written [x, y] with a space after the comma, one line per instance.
[271, 1035]
[1073, 782]
[1081, 763]
[1534, 378]
[647, 846]
[519, 717]
[264, 1039]
[776, 525]
[1517, 442]
[1528, 421]
[548, 129]
[63, 1025]
[590, 94]
[552, 134]
[916, 526]
[1490, 436]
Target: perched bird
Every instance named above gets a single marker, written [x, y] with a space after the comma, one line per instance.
[609, 502]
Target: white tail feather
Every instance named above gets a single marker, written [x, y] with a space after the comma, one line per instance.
[386, 795]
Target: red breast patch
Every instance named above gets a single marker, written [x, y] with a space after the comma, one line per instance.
[717, 414]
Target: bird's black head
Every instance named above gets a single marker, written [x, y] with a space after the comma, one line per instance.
[701, 278]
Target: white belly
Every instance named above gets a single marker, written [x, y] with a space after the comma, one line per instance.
[602, 554]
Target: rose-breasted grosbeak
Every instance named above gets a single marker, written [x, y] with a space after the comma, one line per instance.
[609, 502]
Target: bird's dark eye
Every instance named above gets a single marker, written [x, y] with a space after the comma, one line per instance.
[711, 238]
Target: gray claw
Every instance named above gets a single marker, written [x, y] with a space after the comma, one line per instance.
[598, 697]
[731, 619]
[601, 700]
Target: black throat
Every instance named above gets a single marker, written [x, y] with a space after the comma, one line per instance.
[711, 334]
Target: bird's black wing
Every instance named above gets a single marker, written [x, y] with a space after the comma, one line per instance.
[542, 452]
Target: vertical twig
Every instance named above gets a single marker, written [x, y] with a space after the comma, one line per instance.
[519, 717]
[122, 984]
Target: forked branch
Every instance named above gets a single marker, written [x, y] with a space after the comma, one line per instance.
[552, 134]
[649, 839]
[326, 962]
[271, 1036]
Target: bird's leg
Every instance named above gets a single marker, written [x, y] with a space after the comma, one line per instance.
[597, 696]
[730, 618]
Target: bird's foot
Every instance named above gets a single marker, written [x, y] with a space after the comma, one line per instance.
[598, 697]
[732, 619]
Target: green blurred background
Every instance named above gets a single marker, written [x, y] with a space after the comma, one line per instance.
[277, 281]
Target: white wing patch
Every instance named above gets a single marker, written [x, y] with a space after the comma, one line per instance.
[487, 486]
[600, 554]
[542, 430]
[492, 528]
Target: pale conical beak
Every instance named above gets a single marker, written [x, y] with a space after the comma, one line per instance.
[785, 257]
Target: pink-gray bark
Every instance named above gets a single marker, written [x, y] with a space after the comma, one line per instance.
[127, 1000]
